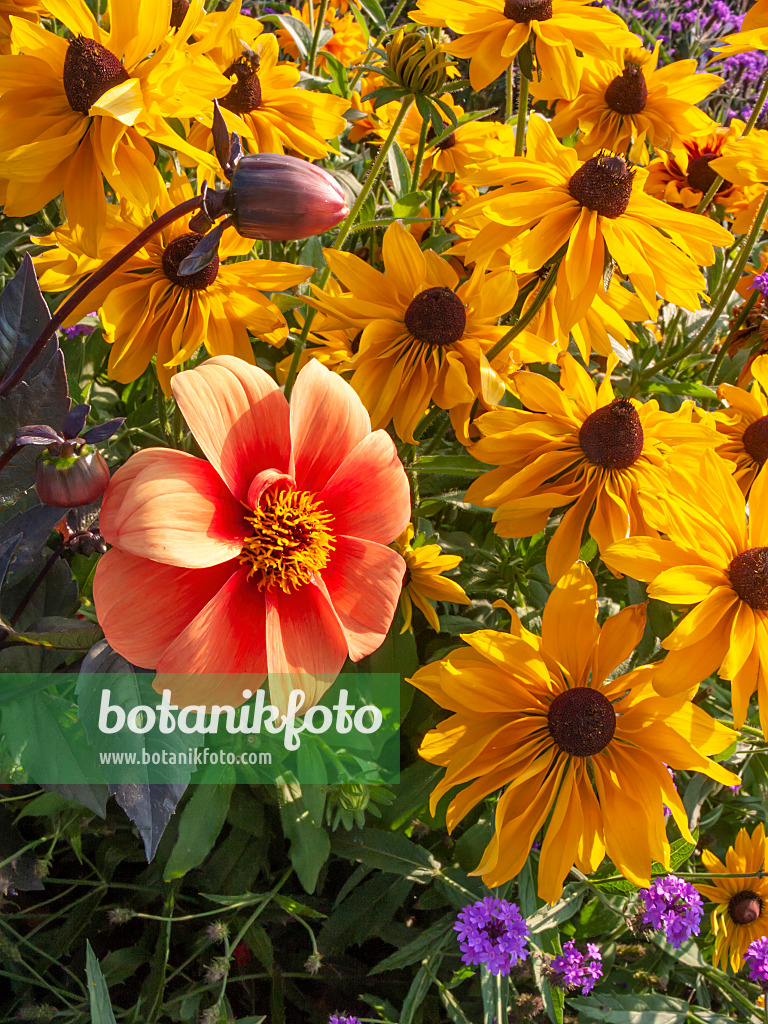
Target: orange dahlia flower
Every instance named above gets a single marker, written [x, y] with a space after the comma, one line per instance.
[270, 556]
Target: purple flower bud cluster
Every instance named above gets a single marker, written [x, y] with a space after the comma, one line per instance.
[674, 905]
[756, 959]
[341, 1019]
[577, 970]
[492, 932]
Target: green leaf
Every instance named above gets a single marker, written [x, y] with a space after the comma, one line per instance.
[450, 465]
[431, 940]
[62, 634]
[370, 907]
[642, 1008]
[416, 994]
[98, 993]
[296, 29]
[199, 826]
[410, 204]
[338, 73]
[554, 916]
[310, 845]
[387, 851]
[400, 170]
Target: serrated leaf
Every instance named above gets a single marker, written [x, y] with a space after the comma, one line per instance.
[98, 993]
[150, 808]
[23, 315]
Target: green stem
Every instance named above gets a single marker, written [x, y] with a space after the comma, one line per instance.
[724, 347]
[501, 1010]
[419, 155]
[712, 192]
[526, 318]
[722, 301]
[312, 57]
[510, 85]
[344, 230]
[522, 115]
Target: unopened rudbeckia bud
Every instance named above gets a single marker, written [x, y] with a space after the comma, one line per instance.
[276, 198]
[417, 62]
[71, 475]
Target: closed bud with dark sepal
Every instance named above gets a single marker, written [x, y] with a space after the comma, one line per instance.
[71, 474]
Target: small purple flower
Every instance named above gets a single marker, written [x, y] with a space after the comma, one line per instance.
[492, 932]
[341, 1019]
[760, 282]
[78, 330]
[674, 905]
[577, 970]
[756, 959]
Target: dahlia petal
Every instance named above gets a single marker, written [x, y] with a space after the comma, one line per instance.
[207, 664]
[328, 420]
[364, 581]
[122, 585]
[369, 495]
[239, 418]
[306, 645]
[173, 508]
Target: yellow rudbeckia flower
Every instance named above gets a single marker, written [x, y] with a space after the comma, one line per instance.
[741, 905]
[580, 756]
[574, 448]
[424, 582]
[29, 9]
[551, 202]
[744, 427]
[347, 42]
[146, 307]
[492, 33]
[753, 34]
[424, 335]
[628, 101]
[268, 109]
[715, 558]
[74, 110]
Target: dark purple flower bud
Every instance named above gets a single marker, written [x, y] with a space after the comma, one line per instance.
[71, 475]
[277, 197]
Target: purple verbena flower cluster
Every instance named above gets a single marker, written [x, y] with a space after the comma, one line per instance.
[674, 905]
[756, 959]
[492, 932]
[340, 1018]
[577, 970]
[78, 330]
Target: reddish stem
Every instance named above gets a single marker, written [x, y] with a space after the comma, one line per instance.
[80, 293]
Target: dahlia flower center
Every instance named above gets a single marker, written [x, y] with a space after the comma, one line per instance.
[527, 11]
[90, 70]
[179, 13]
[628, 92]
[756, 440]
[612, 437]
[603, 184]
[581, 721]
[436, 316]
[177, 251]
[245, 94]
[745, 907]
[701, 176]
[748, 573]
[448, 142]
[291, 540]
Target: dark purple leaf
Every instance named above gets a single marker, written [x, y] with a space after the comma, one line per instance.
[203, 253]
[104, 430]
[93, 797]
[23, 315]
[221, 141]
[7, 548]
[236, 149]
[74, 421]
[37, 433]
[35, 526]
[150, 808]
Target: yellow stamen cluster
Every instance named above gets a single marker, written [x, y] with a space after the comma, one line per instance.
[291, 540]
